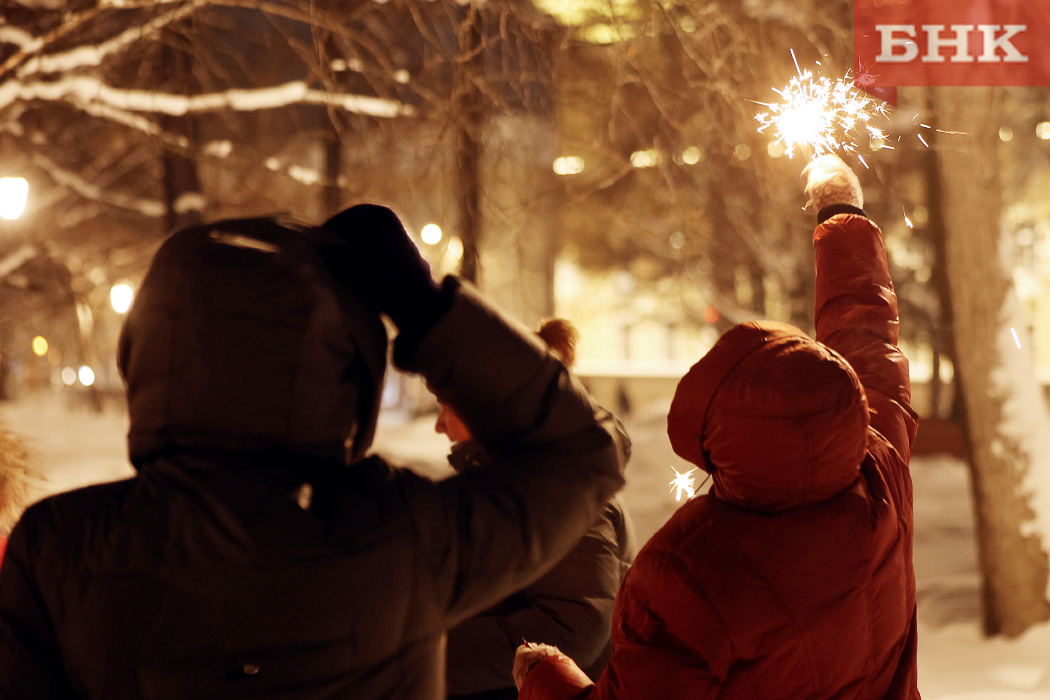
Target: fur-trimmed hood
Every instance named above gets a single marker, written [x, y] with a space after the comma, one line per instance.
[16, 479]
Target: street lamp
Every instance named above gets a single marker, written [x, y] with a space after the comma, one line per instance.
[13, 194]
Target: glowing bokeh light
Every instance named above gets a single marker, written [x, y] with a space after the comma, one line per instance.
[14, 191]
[86, 375]
[454, 251]
[568, 165]
[431, 234]
[120, 296]
[645, 159]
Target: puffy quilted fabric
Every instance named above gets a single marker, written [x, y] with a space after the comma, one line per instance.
[793, 578]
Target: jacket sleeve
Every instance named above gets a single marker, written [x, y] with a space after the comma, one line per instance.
[669, 641]
[856, 315]
[570, 607]
[30, 665]
[557, 458]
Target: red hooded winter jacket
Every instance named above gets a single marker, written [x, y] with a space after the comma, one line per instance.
[793, 579]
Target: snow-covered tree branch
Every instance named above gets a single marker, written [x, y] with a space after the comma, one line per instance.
[86, 89]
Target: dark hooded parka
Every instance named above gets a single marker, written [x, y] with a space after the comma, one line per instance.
[247, 559]
[793, 577]
[570, 606]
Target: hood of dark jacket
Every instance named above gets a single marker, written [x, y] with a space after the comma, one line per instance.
[241, 339]
[778, 419]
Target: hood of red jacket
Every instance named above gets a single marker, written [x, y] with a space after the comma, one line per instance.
[778, 419]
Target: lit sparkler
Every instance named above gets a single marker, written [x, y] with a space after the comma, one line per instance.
[683, 483]
[821, 114]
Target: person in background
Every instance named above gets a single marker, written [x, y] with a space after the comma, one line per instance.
[571, 605]
[793, 577]
[16, 478]
[260, 551]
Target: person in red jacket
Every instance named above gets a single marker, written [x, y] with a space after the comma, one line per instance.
[793, 577]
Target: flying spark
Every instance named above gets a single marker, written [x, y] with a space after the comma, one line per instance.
[1017, 341]
[907, 221]
[683, 483]
[923, 140]
[820, 114]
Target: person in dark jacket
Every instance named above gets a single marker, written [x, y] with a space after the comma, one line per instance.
[793, 577]
[571, 605]
[247, 558]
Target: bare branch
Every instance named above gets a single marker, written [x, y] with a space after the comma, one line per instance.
[135, 121]
[90, 56]
[26, 42]
[83, 89]
[70, 25]
[73, 181]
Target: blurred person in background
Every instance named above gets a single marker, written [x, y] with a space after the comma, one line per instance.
[570, 606]
[793, 577]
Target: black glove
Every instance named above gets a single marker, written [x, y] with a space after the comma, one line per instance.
[383, 265]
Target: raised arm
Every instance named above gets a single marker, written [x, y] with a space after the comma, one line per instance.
[856, 307]
[557, 457]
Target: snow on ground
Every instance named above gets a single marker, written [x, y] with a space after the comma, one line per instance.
[74, 445]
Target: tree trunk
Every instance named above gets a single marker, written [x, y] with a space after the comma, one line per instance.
[941, 339]
[181, 181]
[723, 255]
[331, 192]
[469, 123]
[521, 214]
[1005, 410]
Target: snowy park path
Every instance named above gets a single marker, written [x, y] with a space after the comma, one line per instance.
[75, 447]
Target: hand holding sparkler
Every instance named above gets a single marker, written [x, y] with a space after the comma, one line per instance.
[528, 655]
[830, 181]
